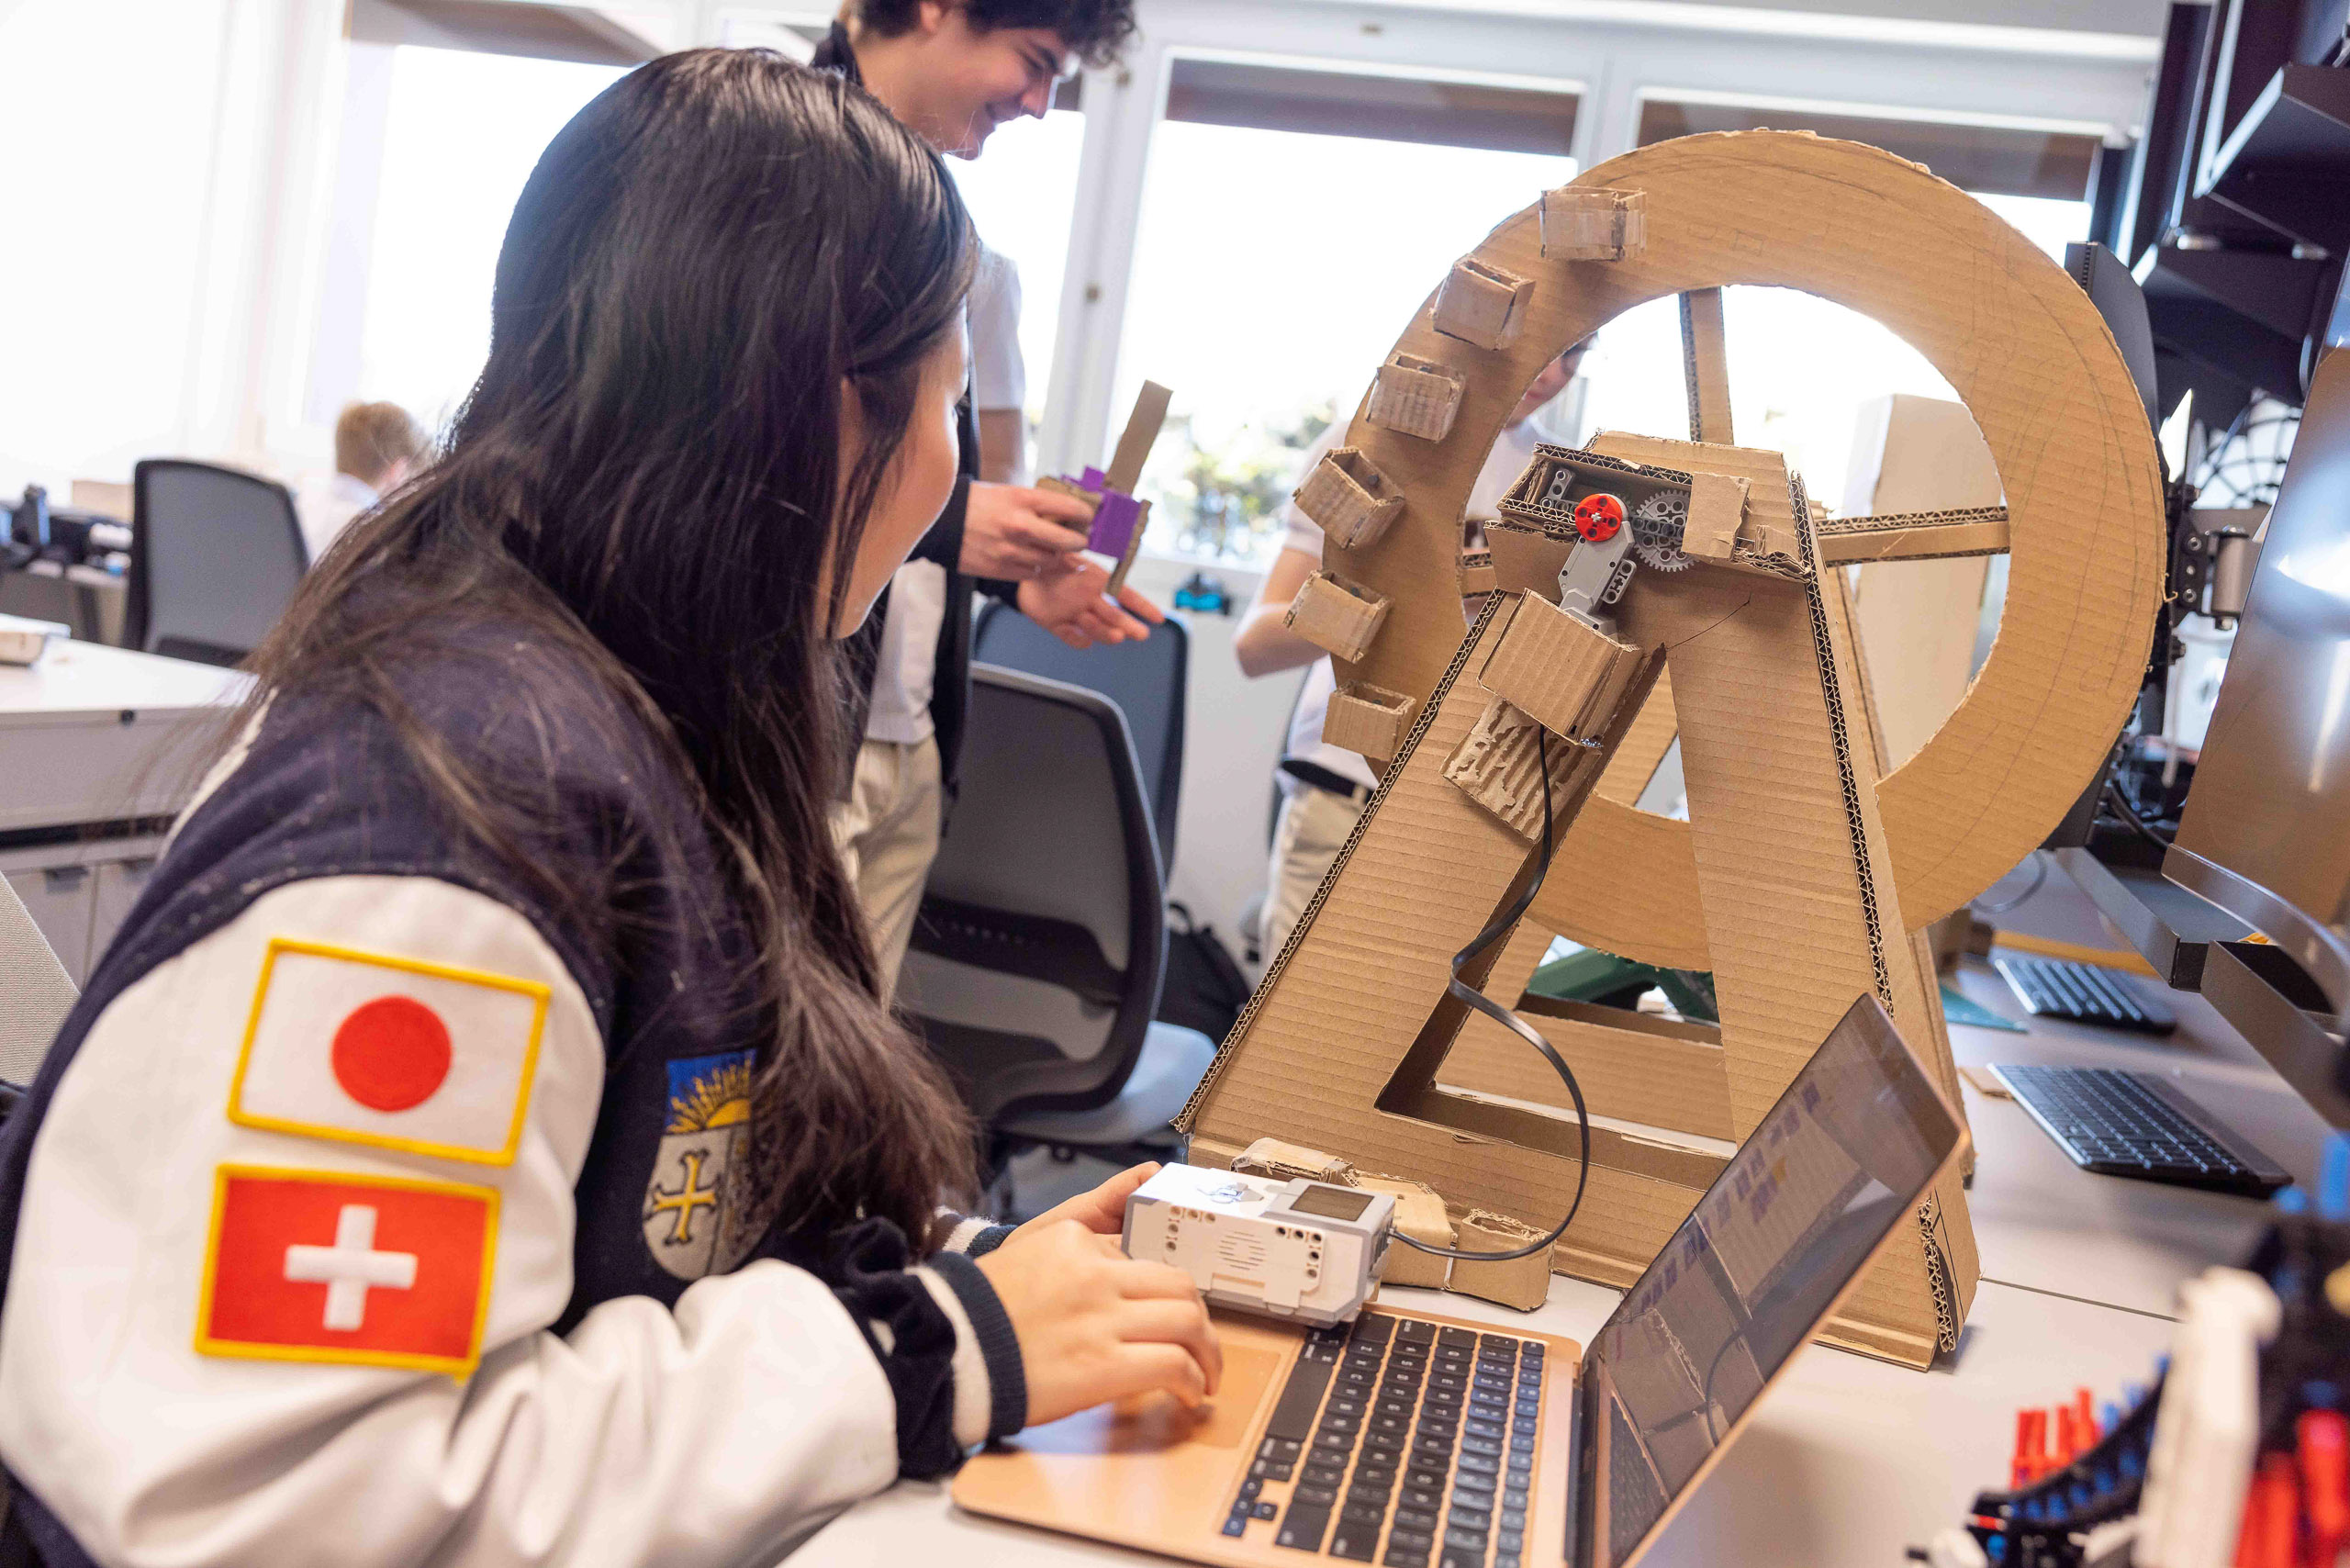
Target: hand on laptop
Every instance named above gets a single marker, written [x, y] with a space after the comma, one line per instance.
[1094, 1325]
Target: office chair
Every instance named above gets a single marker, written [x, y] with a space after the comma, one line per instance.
[1147, 679]
[215, 556]
[1035, 958]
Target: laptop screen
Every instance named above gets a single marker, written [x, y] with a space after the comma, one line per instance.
[1841, 1158]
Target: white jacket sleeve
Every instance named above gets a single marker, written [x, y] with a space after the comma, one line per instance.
[178, 1389]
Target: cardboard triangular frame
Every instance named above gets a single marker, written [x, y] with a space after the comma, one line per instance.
[1350, 1044]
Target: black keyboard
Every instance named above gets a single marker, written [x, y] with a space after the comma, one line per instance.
[2054, 988]
[1409, 1443]
[2137, 1124]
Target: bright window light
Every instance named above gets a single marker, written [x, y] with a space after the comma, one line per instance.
[1273, 272]
[1022, 195]
[461, 134]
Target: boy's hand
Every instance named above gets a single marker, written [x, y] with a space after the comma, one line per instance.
[1071, 605]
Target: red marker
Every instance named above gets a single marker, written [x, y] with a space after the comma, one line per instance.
[2325, 1483]
[2270, 1510]
[2026, 1464]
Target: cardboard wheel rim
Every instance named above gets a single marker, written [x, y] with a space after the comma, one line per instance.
[2026, 354]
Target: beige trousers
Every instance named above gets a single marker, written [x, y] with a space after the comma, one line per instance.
[1313, 826]
[886, 832]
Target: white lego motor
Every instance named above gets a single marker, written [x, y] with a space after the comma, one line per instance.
[1305, 1250]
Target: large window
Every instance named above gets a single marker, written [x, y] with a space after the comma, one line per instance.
[462, 132]
[1022, 191]
[1292, 221]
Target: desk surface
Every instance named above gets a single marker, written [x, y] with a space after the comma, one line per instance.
[1850, 1459]
[77, 679]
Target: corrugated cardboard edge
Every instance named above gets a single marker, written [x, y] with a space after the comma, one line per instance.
[1272, 1156]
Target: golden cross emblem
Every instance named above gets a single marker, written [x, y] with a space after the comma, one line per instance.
[689, 1197]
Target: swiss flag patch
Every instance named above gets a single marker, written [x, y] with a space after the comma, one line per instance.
[364, 1048]
[311, 1266]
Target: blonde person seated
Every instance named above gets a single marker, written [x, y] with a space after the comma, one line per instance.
[1324, 787]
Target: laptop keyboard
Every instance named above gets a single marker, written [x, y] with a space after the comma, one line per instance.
[2056, 987]
[2129, 1124]
[1409, 1443]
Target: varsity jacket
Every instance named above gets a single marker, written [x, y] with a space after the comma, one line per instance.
[383, 1200]
[950, 690]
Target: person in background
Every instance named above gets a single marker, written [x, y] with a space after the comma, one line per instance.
[485, 1144]
[952, 73]
[1324, 787]
[377, 447]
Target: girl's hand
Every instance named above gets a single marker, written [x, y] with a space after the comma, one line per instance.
[1094, 1325]
[1102, 1211]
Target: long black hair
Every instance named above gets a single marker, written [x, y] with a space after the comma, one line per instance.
[647, 477]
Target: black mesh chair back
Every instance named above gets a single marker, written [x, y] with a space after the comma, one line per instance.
[216, 554]
[1145, 679]
[1034, 965]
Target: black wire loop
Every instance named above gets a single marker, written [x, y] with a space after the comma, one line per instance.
[1469, 996]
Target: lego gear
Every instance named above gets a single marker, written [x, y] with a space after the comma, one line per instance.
[1657, 530]
[1599, 518]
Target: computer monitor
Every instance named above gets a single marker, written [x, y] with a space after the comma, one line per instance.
[2266, 832]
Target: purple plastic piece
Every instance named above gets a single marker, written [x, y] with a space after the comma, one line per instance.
[1114, 524]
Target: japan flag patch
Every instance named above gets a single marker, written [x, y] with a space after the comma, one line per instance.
[362, 1047]
[317, 1266]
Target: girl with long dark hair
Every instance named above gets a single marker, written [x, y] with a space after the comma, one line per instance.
[483, 1143]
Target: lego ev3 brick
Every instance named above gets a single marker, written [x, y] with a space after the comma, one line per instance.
[1349, 498]
[1367, 719]
[1559, 671]
[1339, 617]
[1415, 397]
[1479, 303]
[1585, 223]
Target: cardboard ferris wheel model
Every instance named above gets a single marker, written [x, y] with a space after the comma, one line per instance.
[1648, 587]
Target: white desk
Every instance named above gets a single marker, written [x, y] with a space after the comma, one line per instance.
[98, 746]
[1850, 1459]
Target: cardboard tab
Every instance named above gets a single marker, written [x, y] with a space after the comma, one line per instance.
[1480, 304]
[1716, 507]
[1501, 764]
[1142, 430]
[1521, 1282]
[1367, 719]
[1339, 617]
[1272, 1156]
[1477, 573]
[1420, 1214]
[1581, 223]
[1562, 672]
[1349, 498]
[1415, 397]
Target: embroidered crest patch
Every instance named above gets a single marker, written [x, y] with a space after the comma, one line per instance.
[318, 1266]
[690, 1209]
[363, 1048]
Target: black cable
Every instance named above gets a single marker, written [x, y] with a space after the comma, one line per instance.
[1469, 996]
[2121, 803]
[2039, 880]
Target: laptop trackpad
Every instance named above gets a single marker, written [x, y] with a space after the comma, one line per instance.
[1153, 1423]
